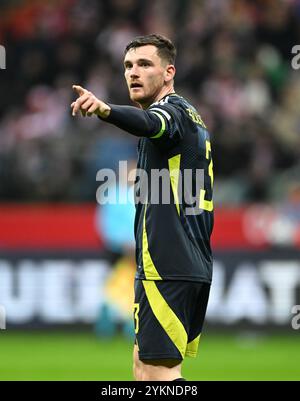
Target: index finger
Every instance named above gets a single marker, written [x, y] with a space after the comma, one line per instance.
[81, 91]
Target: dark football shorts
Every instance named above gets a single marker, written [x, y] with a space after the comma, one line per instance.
[168, 318]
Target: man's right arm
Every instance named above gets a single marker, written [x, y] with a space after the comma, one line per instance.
[131, 119]
[155, 124]
[136, 121]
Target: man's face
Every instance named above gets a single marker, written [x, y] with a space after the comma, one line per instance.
[145, 74]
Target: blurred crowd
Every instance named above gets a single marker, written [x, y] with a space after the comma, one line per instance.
[233, 64]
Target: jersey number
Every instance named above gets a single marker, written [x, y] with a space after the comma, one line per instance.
[136, 309]
[205, 204]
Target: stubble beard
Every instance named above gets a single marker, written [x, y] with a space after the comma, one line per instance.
[143, 101]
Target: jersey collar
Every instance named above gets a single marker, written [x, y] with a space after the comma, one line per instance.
[169, 94]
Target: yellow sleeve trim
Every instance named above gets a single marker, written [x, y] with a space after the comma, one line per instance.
[163, 126]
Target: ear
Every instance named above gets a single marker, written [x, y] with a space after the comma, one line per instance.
[169, 73]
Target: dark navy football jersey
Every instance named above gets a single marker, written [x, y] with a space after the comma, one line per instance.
[174, 186]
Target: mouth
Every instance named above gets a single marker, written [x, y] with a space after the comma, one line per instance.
[135, 85]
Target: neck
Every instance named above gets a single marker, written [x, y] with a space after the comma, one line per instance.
[164, 92]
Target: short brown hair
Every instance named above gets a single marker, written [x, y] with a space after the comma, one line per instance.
[165, 48]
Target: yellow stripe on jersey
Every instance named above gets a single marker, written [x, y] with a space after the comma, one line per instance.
[174, 167]
[203, 203]
[163, 126]
[166, 317]
[149, 269]
[192, 347]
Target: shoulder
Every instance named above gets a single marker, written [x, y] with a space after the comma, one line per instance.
[172, 100]
[170, 106]
[187, 109]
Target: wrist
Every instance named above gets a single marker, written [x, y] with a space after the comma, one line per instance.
[104, 111]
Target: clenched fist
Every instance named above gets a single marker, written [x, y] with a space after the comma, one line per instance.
[89, 104]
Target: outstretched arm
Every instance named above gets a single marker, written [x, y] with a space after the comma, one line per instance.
[131, 119]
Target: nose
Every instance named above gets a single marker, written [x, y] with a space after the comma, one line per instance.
[134, 72]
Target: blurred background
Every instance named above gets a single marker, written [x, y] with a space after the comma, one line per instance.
[67, 263]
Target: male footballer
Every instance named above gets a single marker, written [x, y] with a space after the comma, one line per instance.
[173, 253]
